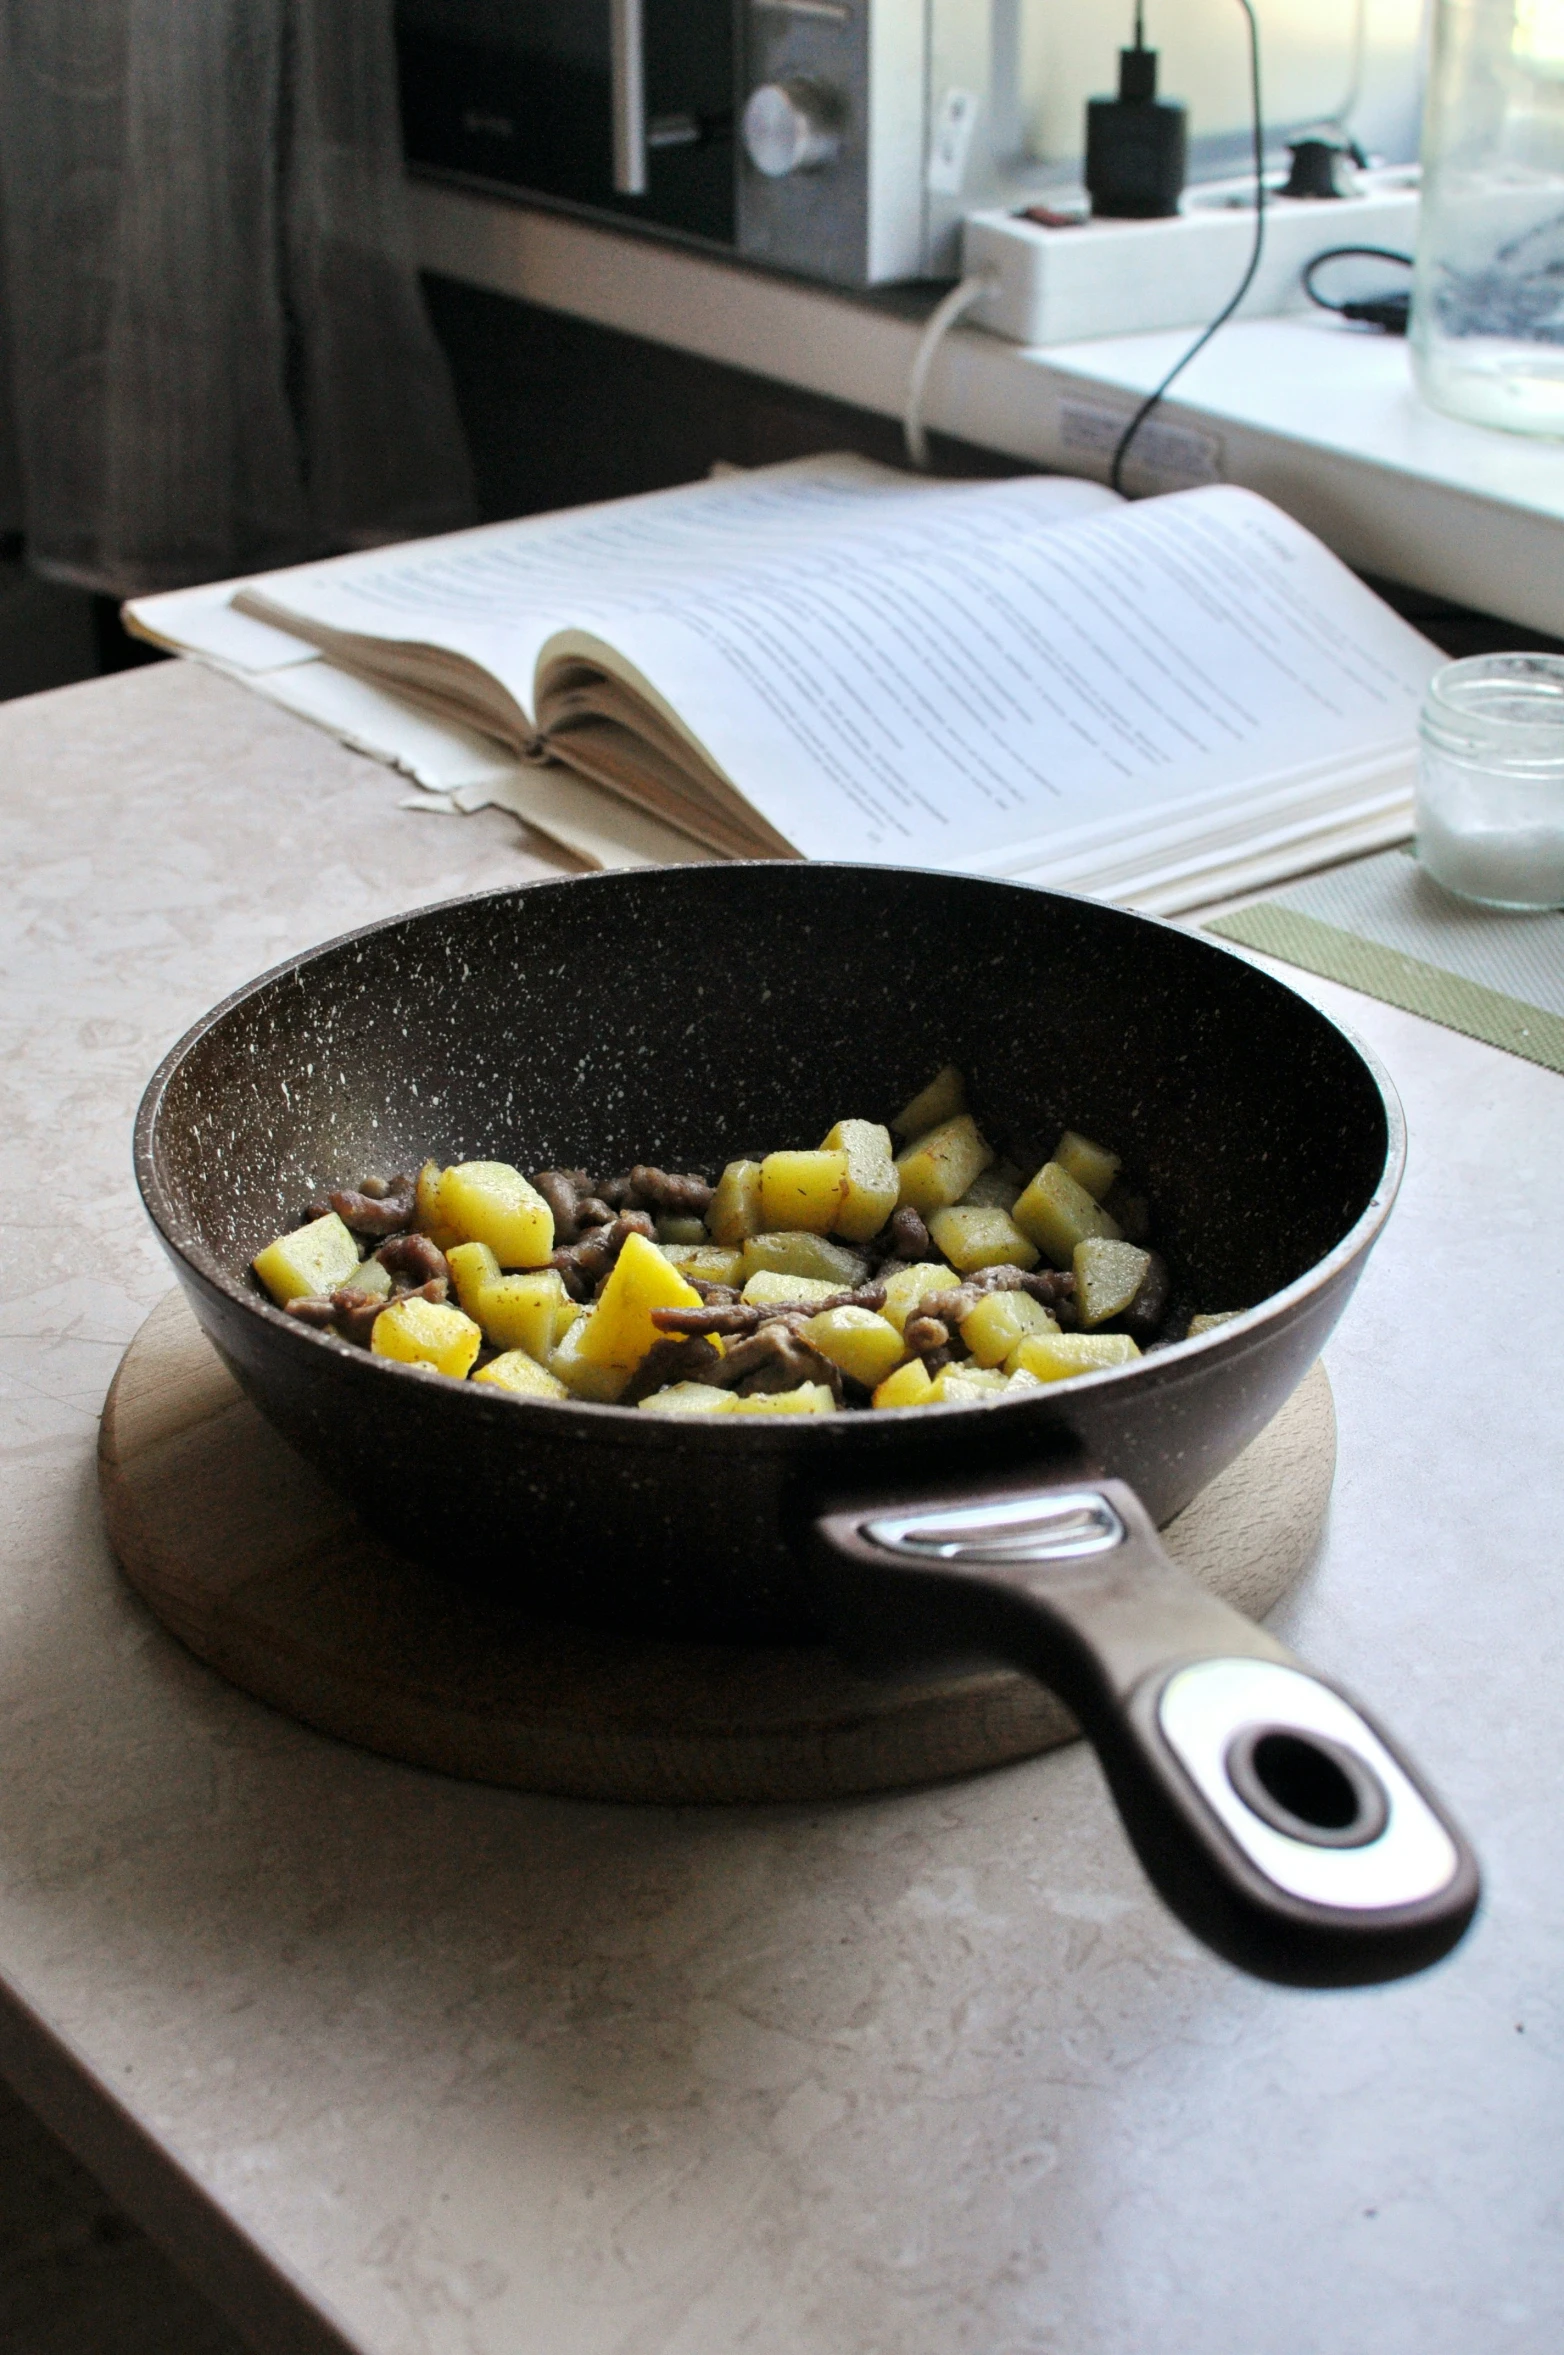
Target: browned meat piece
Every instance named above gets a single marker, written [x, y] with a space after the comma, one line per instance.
[377, 1207]
[415, 1260]
[688, 1359]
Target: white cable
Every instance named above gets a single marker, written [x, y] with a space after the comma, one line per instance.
[941, 320]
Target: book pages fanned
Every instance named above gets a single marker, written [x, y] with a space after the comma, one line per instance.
[1023, 678]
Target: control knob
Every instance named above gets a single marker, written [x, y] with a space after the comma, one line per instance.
[790, 127]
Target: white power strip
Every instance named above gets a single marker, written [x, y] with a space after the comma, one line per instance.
[1094, 278]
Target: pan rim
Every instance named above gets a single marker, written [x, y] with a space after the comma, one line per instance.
[785, 1432]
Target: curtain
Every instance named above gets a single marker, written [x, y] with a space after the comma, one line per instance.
[219, 355]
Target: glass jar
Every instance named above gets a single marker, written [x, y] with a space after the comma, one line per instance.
[1488, 288]
[1490, 784]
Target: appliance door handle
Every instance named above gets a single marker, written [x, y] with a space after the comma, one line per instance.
[627, 66]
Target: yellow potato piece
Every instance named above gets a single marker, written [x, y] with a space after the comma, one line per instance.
[600, 1384]
[489, 1202]
[522, 1311]
[426, 1332]
[766, 1288]
[1054, 1357]
[371, 1276]
[734, 1211]
[800, 1254]
[619, 1330]
[908, 1287]
[519, 1372]
[937, 1168]
[810, 1398]
[1208, 1324]
[681, 1229]
[864, 1345]
[474, 1268]
[689, 1398]
[312, 1260]
[802, 1191]
[1091, 1166]
[973, 1236]
[1057, 1213]
[710, 1263]
[1107, 1277]
[942, 1099]
[994, 1189]
[873, 1186]
[910, 1385]
[1000, 1322]
[428, 1208]
[967, 1386]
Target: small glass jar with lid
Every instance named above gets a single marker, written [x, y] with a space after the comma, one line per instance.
[1490, 786]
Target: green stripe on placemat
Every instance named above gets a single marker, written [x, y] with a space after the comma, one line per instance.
[1363, 924]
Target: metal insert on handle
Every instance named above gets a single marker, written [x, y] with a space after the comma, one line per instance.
[1064, 1527]
[1330, 1817]
[627, 66]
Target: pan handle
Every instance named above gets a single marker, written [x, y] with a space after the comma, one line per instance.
[1276, 1819]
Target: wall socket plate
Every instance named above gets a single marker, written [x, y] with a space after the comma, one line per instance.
[1096, 278]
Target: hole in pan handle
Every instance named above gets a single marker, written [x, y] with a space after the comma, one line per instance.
[1275, 1818]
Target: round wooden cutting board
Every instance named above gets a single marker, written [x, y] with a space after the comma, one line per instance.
[246, 1556]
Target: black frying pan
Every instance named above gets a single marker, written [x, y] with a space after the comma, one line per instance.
[688, 1015]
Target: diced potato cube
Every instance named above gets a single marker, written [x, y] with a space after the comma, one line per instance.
[1000, 1322]
[1107, 1277]
[1018, 1383]
[475, 1268]
[706, 1263]
[568, 1313]
[873, 1186]
[937, 1168]
[312, 1260]
[1058, 1213]
[1054, 1357]
[371, 1276]
[906, 1288]
[994, 1189]
[519, 1371]
[910, 1385]
[690, 1398]
[942, 1099]
[489, 1202]
[766, 1289]
[1091, 1166]
[799, 1254]
[425, 1332]
[864, 1345]
[971, 1237]
[803, 1191]
[1209, 1323]
[677, 1227]
[601, 1384]
[810, 1398]
[619, 1330]
[429, 1209]
[735, 1205]
[968, 1386]
[522, 1311]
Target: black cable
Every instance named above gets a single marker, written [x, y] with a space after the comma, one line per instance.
[1387, 311]
[1116, 471]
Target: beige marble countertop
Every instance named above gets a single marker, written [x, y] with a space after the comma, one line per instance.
[415, 2067]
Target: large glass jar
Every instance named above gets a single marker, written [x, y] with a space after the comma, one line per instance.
[1488, 291]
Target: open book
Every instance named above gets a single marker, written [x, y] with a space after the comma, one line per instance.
[1159, 703]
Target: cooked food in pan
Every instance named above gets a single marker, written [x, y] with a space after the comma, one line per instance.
[851, 1275]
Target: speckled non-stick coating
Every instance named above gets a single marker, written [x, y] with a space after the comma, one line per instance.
[687, 1015]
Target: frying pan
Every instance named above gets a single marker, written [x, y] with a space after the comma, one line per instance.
[685, 1016]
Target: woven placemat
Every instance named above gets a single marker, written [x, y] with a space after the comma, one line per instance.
[1381, 926]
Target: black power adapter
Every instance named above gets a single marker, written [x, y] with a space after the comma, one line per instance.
[1136, 144]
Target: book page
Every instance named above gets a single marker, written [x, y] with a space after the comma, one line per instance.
[984, 689]
[496, 595]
